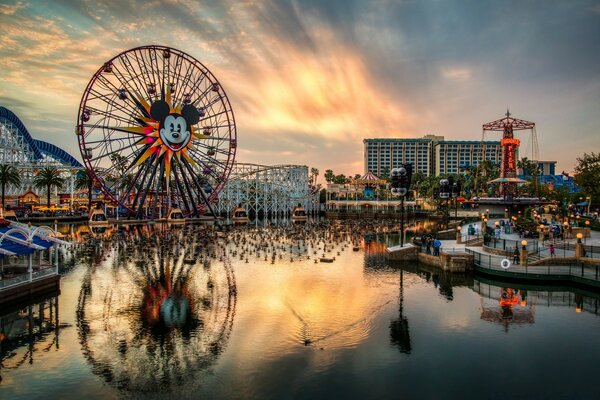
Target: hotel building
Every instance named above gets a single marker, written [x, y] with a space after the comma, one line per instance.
[429, 155]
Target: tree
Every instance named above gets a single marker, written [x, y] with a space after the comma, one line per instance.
[8, 176]
[329, 176]
[531, 172]
[587, 175]
[47, 178]
[314, 173]
[83, 180]
[340, 179]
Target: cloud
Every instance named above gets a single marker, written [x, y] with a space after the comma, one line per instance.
[308, 80]
[8, 9]
[456, 73]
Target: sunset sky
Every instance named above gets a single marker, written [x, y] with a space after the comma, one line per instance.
[308, 80]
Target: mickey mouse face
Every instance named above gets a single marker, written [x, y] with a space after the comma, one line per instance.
[174, 132]
[174, 129]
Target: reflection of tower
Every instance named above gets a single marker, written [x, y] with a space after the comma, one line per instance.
[510, 146]
[399, 333]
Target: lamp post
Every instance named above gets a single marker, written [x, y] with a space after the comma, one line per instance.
[400, 184]
[455, 193]
[524, 252]
[445, 194]
[579, 251]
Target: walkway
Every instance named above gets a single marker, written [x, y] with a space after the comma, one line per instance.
[584, 271]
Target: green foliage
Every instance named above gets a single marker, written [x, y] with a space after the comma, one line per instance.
[329, 176]
[47, 178]
[587, 175]
[314, 173]
[340, 179]
[8, 176]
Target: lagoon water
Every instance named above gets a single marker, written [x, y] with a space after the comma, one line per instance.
[172, 312]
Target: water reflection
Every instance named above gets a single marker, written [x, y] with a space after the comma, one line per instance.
[158, 309]
[28, 332]
[399, 332]
[516, 305]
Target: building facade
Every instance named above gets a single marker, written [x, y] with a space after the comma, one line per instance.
[430, 155]
[453, 156]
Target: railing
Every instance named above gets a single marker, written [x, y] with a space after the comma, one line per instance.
[447, 250]
[21, 279]
[589, 273]
[511, 244]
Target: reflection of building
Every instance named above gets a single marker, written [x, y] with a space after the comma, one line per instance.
[28, 331]
[430, 155]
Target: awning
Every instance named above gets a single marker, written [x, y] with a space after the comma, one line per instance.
[370, 179]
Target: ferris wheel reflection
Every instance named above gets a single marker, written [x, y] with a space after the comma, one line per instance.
[157, 312]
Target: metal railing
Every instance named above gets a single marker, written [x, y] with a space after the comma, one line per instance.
[504, 266]
[9, 282]
[511, 244]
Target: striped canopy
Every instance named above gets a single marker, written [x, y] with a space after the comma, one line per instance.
[370, 179]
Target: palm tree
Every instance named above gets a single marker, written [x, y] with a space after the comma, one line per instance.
[47, 178]
[83, 180]
[329, 176]
[314, 173]
[8, 176]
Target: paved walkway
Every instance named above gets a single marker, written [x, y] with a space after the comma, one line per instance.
[544, 247]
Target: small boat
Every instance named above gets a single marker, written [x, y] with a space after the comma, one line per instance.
[10, 215]
[327, 259]
[299, 214]
[98, 218]
[175, 216]
[239, 216]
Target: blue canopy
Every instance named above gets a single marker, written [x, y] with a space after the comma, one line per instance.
[21, 249]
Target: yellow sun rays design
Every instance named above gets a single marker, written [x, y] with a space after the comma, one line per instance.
[150, 138]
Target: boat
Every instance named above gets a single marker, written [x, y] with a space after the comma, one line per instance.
[299, 214]
[98, 218]
[327, 259]
[10, 215]
[175, 216]
[239, 216]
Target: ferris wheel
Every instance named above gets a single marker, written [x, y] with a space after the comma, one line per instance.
[156, 131]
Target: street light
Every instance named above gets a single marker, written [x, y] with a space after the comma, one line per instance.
[445, 194]
[400, 184]
[524, 244]
[579, 236]
[455, 193]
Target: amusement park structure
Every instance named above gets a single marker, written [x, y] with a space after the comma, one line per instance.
[510, 145]
[267, 190]
[19, 149]
[156, 132]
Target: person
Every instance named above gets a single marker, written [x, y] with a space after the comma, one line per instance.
[551, 250]
[516, 256]
[436, 247]
[428, 245]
